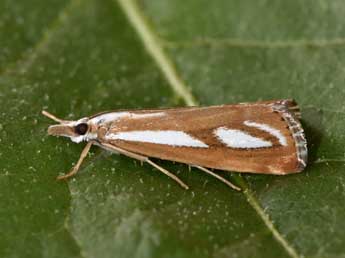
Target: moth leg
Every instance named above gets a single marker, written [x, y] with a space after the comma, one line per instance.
[77, 166]
[169, 174]
[113, 148]
[218, 177]
[144, 159]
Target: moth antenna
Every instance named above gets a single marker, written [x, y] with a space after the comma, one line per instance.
[52, 117]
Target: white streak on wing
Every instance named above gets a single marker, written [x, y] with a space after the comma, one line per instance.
[104, 118]
[138, 116]
[172, 138]
[77, 139]
[269, 129]
[109, 117]
[238, 139]
[86, 137]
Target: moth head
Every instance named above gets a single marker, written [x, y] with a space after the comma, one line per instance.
[77, 131]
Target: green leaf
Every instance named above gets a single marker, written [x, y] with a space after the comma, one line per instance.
[79, 57]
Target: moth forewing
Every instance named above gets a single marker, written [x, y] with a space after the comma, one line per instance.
[262, 137]
[257, 138]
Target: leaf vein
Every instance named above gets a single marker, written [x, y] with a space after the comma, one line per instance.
[265, 218]
[154, 48]
[242, 43]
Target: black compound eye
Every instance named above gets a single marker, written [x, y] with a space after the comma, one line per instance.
[81, 129]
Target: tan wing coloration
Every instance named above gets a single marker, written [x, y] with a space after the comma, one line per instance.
[262, 137]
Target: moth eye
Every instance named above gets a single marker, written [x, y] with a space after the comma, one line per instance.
[81, 129]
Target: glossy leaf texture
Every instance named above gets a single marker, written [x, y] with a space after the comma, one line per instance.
[79, 57]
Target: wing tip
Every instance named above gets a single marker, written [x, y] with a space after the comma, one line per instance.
[290, 112]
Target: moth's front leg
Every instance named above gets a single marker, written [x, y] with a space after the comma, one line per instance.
[80, 161]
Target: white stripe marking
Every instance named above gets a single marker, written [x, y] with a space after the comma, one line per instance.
[270, 130]
[109, 117]
[238, 139]
[173, 138]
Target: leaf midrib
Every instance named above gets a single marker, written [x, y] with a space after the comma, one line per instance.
[242, 43]
[150, 41]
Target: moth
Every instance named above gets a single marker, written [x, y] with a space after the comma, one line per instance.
[261, 137]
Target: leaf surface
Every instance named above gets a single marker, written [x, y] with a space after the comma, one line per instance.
[76, 58]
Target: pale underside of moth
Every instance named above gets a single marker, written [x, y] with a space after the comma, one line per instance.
[262, 137]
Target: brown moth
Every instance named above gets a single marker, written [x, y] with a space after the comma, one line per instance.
[262, 137]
